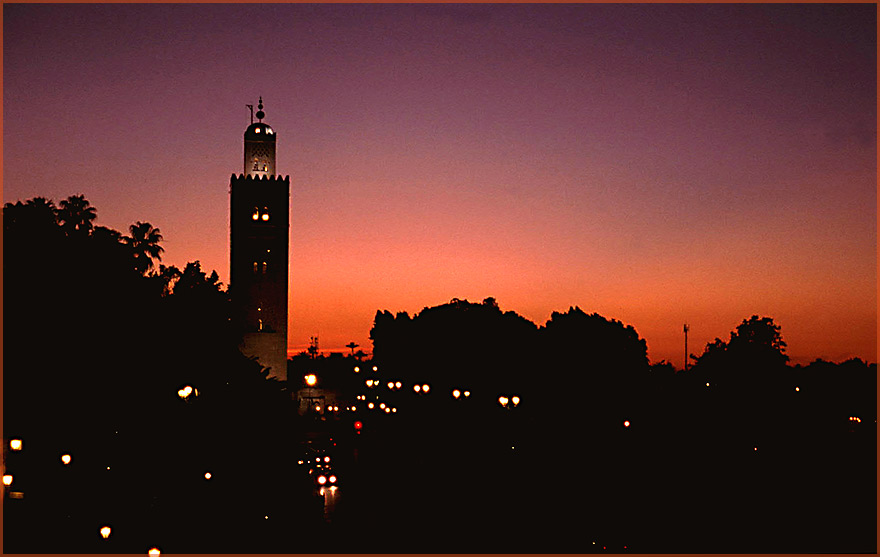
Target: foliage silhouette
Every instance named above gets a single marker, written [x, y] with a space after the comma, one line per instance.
[96, 348]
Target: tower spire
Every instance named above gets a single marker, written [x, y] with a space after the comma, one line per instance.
[260, 113]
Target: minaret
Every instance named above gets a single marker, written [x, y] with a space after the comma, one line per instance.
[259, 229]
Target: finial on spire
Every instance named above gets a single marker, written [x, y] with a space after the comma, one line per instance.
[260, 113]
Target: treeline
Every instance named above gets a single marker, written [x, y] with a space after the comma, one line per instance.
[99, 338]
[742, 453]
[582, 360]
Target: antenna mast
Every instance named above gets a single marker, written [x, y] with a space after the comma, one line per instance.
[686, 329]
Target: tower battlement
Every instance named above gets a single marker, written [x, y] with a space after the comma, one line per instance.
[267, 178]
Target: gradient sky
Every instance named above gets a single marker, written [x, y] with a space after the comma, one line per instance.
[657, 164]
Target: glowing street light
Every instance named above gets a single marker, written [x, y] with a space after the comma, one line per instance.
[105, 532]
[311, 379]
[467, 394]
[426, 388]
[186, 391]
[154, 551]
[390, 385]
[456, 393]
[207, 475]
[417, 388]
[7, 480]
[375, 368]
[65, 458]
[15, 444]
[371, 406]
[357, 369]
[514, 399]
[398, 385]
[626, 423]
[503, 400]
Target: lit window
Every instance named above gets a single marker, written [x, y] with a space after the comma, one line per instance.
[256, 267]
[265, 169]
[259, 324]
[263, 267]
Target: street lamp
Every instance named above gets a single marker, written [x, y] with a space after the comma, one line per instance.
[105, 532]
[65, 459]
[503, 400]
[456, 393]
[15, 444]
[311, 380]
[514, 399]
[7, 480]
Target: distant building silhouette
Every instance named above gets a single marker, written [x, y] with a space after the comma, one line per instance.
[259, 230]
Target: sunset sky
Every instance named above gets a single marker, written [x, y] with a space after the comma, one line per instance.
[657, 164]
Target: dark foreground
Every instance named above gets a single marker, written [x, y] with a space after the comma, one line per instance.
[488, 484]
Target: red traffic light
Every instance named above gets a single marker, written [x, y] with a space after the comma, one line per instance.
[358, 425]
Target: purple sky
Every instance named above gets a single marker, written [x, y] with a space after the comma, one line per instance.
[654, 163]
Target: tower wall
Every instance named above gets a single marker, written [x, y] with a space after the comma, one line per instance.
[259, 151]
[259, 233]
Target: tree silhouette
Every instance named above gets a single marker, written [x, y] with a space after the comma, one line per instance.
[144, 242]
[75, 214]
[313, 346]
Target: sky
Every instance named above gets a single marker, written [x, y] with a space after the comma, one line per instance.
[656, 164]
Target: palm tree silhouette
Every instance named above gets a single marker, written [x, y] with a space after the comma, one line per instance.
[144, 242]
[75, 214]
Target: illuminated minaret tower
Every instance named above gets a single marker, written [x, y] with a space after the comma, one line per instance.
[259, 227]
